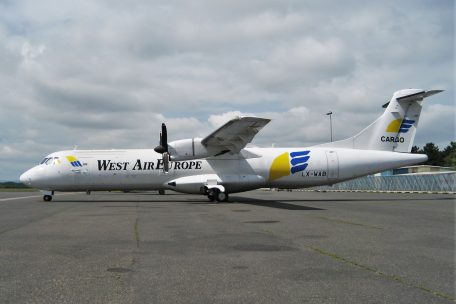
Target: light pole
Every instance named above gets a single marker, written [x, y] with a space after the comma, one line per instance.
[330, 124]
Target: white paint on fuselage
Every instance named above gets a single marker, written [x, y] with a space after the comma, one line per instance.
[119, 169]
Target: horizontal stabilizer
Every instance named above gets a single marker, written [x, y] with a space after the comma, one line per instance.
[414, 96]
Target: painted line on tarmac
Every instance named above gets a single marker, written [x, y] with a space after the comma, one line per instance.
[36, 220]
[17, 198]
[24, 197]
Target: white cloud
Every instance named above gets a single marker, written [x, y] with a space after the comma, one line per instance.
[105, 74]
[437, 124]
[30, 52]
[218, 120]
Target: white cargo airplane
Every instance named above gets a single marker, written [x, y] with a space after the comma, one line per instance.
[220, 163]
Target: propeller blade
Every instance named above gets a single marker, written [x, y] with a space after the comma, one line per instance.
[162, 148]
[164, 137]
[163, 145]
[165, 162]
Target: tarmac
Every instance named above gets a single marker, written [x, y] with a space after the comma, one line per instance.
[261, 247]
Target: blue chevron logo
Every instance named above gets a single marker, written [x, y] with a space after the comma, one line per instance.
[299, 161]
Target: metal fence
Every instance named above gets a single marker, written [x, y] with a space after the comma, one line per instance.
[442, 182]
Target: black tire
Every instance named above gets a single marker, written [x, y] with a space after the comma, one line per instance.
[212, 194]
[221, 196]
[47, 198]
[161, 192]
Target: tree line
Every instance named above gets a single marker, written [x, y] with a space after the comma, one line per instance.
[437, 157]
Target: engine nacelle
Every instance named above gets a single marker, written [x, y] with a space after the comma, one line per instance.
[186, 149]
[230, 183]
[195, 184]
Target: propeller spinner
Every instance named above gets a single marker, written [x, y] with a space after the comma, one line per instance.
[162, 148]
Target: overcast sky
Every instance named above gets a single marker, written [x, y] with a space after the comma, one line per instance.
[105, 74]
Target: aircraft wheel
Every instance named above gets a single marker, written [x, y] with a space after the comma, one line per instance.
[212, 194]
[161, 192]
[47, 198]
[222, 196]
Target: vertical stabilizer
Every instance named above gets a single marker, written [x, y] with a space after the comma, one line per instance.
[393, 131]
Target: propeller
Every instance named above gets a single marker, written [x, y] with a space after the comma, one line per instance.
[162, 148]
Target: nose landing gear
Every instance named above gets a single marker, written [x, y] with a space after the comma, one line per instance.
[47, 195]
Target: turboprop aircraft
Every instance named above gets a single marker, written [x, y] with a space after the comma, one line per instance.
[220, 163]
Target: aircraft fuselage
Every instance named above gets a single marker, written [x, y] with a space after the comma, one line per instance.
[142, 169]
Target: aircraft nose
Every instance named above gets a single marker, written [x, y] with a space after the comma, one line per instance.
[26, 178]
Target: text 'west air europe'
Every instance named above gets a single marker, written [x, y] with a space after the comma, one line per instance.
[109, 165]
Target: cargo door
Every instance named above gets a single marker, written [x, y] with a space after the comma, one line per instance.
[333, 165]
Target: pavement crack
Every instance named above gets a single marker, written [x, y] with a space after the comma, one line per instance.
[348, 222]
[392, 277]
[136, 227]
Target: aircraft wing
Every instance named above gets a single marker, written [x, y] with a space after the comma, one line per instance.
[235, 134]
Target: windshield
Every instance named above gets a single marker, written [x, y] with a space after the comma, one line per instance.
[50, 161]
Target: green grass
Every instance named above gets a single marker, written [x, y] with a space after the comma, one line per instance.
[18, 190]
[12, 185]
[15, 187]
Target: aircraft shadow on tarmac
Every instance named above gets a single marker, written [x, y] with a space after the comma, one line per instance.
[366, 199]
[233, 199]
[279, 204]
[272, 204]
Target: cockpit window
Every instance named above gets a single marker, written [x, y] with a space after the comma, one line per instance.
[50, 161]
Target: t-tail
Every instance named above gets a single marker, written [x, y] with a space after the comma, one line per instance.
[393, 131]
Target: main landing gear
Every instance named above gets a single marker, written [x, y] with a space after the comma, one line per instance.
[215, 194]
[47, 198]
